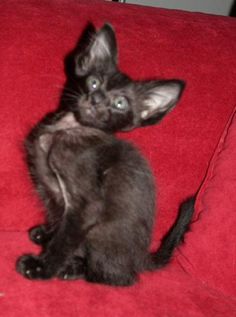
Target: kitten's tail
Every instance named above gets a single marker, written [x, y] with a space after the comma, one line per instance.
[173, 237]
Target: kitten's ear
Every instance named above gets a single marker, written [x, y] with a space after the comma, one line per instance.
[101, 53]
[158, 98]
[104, 46]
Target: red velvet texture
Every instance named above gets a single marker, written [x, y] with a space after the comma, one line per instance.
[35, 38]
[210, 254]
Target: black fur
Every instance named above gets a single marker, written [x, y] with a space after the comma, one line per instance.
[98, 190]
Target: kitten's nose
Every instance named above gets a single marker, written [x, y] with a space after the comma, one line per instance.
[97, 97]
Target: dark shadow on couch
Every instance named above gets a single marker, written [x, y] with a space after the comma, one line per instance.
[232, 12]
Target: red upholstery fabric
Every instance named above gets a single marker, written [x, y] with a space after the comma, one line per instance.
[35, 37]
[213, 236]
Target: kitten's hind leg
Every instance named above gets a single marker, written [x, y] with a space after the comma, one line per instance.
[109, 259]
[73, 270]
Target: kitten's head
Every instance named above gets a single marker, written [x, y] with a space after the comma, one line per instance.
[108, 99]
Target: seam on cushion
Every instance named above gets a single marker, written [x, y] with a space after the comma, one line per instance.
[210, 171]
[201, 208]
[214, 291]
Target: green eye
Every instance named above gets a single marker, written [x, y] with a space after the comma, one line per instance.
[120, 103]
[93, 83]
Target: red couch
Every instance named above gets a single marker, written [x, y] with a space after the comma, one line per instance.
[193, 149]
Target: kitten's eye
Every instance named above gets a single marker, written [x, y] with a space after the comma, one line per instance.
[120, 103]
[93, 83]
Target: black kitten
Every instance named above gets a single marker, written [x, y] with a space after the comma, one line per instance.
[99, 191]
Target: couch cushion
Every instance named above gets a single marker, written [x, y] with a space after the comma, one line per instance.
[169, 292]
[210, 250]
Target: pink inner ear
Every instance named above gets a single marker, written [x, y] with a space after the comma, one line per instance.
[159, 96]
[100, 48]
[158, 102]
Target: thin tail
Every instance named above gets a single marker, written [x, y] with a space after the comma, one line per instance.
[173, 237]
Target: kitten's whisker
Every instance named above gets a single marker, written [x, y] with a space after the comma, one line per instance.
[70, 96]
[63, 88]
[72, 91]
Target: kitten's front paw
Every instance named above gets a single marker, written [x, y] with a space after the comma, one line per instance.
[31, 267]
[39, 235]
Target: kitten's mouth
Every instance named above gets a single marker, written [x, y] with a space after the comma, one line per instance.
[86, 110]
[90, 112]
[93, 113]
[89, 115]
